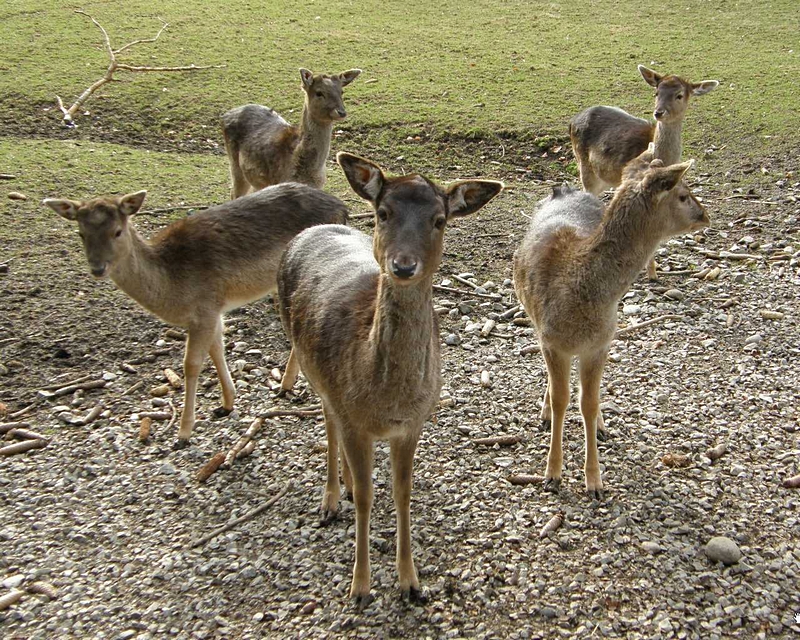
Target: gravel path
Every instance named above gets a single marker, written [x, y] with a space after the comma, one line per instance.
[108, 520]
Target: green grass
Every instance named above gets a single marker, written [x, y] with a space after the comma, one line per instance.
[453, 67]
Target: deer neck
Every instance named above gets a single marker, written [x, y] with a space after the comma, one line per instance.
[401, 342]
[667, 142]
[312, 150]
[621, 246]
[139, 275]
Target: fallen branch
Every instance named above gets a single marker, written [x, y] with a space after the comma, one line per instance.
[361, 216]
[21, 412]
[470, 294]
[210, 467]
[647, 323]
[313, 410]
[134, 387]
[503, 441]
[60, 385]
[89, 417]
[247, 437]
[25, 434]
[247, 516]
[114, 65]
[8, 426]
[91, 384]
[7, 176]
[22, 447]
[525, 478]
[469, 283]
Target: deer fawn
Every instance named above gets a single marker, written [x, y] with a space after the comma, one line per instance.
[264, 149]
[573, 266]
[605, 139]
[199, 267]
[359, 315]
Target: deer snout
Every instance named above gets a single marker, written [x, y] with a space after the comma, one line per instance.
[99, 270]
[341, 112]
[659, 113]
[404, 269]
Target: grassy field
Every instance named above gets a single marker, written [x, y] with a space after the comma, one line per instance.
[449, 69]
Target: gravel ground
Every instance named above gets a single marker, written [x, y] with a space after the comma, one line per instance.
[109, 521]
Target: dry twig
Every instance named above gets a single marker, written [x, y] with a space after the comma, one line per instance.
[247, 516]
[114, 65]
[471, 294]
[503, 441]
[647, 323]
[22, 447]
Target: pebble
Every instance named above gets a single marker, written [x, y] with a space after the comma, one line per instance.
[16, 195]
[675, 294]
[631, 309]
[452, 339]
[722, 549]
[651, 547]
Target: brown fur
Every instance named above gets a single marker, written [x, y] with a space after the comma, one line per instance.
[359, 315]
[264, 149]
[570, 271]
[197, 268]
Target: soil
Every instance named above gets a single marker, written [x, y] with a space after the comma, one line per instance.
[109, 520]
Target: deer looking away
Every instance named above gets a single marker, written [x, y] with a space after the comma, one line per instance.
[605, 139]
[571, 269]
[359, 315]
[264, 149]
[197, 268]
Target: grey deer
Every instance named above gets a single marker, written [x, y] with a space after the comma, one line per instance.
[570, 271]
[605, 139]
[359, 314]
[263, 149]
[199, 267]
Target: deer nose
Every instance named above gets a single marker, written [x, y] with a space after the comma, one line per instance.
[341, 113]
[659, 113]
[404, 271]
[98, 271]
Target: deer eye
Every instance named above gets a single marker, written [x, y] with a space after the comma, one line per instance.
[319, 94]
[118, 233]
[683, 198]
[679, 96]
[383, 215]
[440, 222]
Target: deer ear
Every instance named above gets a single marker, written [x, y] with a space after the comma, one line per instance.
[467, 196]
[661, 180]
[704, 87]
[364, 176]
[67, 209]
[131, 203]
[346, 77]
[650, 77]
[306, 77]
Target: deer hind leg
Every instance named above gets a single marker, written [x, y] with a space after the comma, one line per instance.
[590, 369]
[217, 353]
[358, 448]
[330, 498]
[239, 184]
[546, 414]
[198, 344]
[290, 373]
[402, 453]
[558, 366]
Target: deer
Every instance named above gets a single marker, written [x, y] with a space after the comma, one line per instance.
[574, 264]
[359, 316]
[264, 149]
[605, 139]
[199, 267]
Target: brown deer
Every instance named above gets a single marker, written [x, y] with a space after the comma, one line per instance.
[264, 149]
[197, 268]
[359, 315]
[571, 269]
[605, 139]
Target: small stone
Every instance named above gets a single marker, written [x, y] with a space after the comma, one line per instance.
[452, 339]
[631, 310]
[756, 338]
[722, 549]
[675, 294]
[651, 547]
[13, 582]
[308, 607]
[16, 195]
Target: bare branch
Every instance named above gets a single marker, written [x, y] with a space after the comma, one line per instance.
[135, 42]
[190, 67]
[106, 39]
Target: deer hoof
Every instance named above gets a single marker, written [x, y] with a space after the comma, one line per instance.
[221, 412]
[180, 444]
[546, 425]
[596, 494]
[363, 601]
[602, 435]
[328, 516]
[414, 595]
[552, 485]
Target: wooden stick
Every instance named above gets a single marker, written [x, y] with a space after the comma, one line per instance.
[361, 216]
[525, 478]
[503, 441]
[466, 282]
[7, 176]
[62, 384]
[91, 384]
[21, 412]
[25, 434]
[8, 426]
[210, 467]
[134, 387]
[469, 294]
[247, 516]
[313, 410]
[10, 598]
[248, 435]
[647, 323]
[22, 447]
[246, 450]
[89, 417]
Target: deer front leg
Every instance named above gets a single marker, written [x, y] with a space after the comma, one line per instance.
[198, 344]
[591, 372]
[290, 373]
[402, 453]
[330, 498]
[217, 353]
[358, 448]
[546, 414]
[558, 391]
